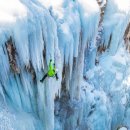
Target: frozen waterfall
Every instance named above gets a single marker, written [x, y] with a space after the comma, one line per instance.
[89, 41]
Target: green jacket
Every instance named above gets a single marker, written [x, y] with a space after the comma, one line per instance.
[51, 70]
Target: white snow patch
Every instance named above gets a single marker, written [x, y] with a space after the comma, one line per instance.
[10, 11]
[123, 128]
[89, 6]
[123, 5]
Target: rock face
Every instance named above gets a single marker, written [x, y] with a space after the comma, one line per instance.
[127, 37]
[88, 41]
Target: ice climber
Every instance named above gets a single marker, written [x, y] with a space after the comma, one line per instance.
[52, 71]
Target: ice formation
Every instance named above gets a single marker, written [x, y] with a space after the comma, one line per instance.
[89, 40]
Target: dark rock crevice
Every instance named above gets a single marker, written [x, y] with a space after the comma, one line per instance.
[127, 37]
[12, 53]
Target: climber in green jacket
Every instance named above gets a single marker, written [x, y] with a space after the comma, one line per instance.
[52, 72]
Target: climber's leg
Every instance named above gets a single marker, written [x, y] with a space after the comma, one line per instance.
[56, 76]
[43, 78]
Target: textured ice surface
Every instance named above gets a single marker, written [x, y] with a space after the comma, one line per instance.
[65, 31]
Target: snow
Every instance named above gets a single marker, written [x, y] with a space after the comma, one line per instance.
[92, 6]
[123, 6]
[9, 14]
[123, 128]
